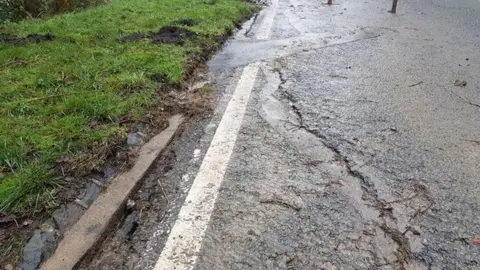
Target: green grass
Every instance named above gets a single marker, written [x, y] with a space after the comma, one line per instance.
[52, 92]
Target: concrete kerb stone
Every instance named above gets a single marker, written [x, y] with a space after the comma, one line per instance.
[91, 227]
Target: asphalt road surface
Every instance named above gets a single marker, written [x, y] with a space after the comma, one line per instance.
[345, 137]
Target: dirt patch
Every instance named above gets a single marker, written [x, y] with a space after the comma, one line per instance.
[169, 34]
[172, 35]
[32, 38]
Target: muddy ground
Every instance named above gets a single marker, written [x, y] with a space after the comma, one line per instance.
[170, 34]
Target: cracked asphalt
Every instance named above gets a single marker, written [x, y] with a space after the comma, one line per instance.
[358, 150]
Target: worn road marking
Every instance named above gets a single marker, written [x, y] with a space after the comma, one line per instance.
[263, 31]
[185, 240]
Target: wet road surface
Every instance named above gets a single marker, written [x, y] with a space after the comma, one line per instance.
[358, 149]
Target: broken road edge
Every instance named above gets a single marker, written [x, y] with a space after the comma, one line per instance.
[83, 237]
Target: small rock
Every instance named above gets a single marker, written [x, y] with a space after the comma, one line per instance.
[45, 227]
[134, 139]
[128, 227]
[130, 204]
[9, 267]
[460, 83]
[40, 247]
[67, 215]
[27, 222]
[90, 194]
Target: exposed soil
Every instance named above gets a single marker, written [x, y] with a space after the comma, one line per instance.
[169, 34]
[32, 38]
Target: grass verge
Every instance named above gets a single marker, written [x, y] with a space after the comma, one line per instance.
[61, 97]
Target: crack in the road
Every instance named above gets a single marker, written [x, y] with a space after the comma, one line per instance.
[466, 101]
[282, 203]
[403, 252]
[390, 227]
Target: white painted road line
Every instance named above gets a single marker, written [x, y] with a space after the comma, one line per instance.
[185, 240]
[263, 31]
